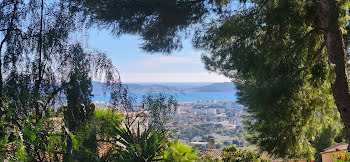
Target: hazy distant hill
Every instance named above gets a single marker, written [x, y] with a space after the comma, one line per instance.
[140, 87]
[98, 86]
[216, 87]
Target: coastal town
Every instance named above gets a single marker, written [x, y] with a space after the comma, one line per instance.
[196, 122]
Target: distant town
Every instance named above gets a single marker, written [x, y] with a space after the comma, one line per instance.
[216, 117]
[196, 122]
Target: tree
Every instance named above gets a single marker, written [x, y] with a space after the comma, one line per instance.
[79, 88]
[35, 66]
[143, 136]
[233, 154]
[28, 84]
[209, 158]
[286, 57]
[160, 108]
[159, 23]
[324, 140]
[275, 53]
[80, 110]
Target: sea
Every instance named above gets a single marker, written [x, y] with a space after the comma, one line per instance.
[181, 96]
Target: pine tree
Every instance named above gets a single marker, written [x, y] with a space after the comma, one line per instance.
[288, 58]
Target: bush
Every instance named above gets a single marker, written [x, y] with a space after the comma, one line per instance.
[179, 152]
[233, 154]
[209, 158]
[342, 157]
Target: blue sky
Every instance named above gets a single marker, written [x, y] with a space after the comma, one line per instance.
[136, 65]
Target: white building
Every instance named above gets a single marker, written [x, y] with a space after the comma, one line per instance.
[211, 111]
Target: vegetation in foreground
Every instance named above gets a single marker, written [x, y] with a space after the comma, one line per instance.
[288, 59]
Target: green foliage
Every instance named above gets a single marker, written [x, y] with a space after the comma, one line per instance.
[137, 146]
[74, 141]
[209, 158]
[160, 23]
[79, 88]
[21, 154]
[82, 143]
[342, 157]
[205, 131]
[274, 52]
[106, 122]
[40, 70]
[24, 144]
[160, 108]
[324, 140]
[177, 151]
[233, 154]
[80, 110]
[142, 136]
[53, 142]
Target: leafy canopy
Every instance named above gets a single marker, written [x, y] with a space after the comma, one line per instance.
[272, 50]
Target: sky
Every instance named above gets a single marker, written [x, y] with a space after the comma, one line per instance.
[136, 65]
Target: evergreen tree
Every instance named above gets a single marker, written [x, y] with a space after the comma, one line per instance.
[288, 58]
[160, 23]
[79, 108]
[278, 53]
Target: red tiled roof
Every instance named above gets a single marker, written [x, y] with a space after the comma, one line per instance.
[341, 146]
[213, 152]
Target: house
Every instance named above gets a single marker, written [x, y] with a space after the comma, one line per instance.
[328, 153]
[211, 111]
[135, 120]
[211, 149]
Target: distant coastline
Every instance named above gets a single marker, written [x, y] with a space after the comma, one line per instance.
[183, 92]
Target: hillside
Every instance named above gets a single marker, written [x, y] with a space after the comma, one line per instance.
[98, 87]
[216, 87]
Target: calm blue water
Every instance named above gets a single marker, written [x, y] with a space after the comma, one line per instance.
[183, 96]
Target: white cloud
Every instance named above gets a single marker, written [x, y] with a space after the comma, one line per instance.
[174, 77]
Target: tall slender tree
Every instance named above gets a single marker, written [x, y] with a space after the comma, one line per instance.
[9, 19]
[79, 88]
[80, 109]
[36, 67]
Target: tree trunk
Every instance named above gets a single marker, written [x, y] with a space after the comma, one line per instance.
[40, 67]
[1, 83]
[328, 15]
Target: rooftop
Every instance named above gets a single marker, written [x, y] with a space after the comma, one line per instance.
[341, 146]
